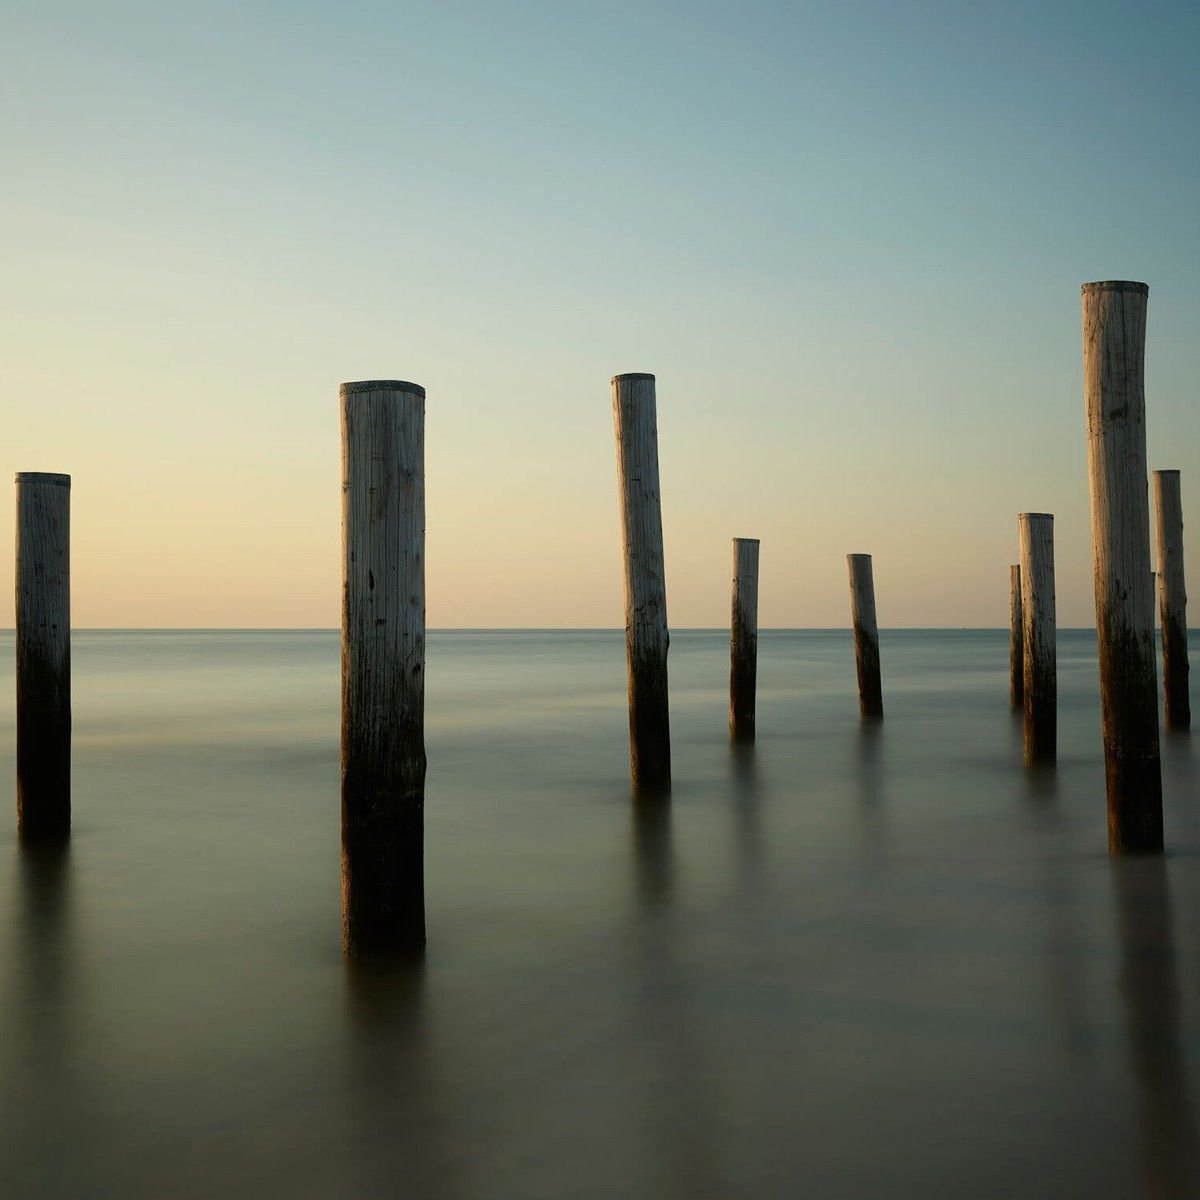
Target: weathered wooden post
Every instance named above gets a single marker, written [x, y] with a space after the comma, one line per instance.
[1172, 599]
[1114, 339]
[1016, 639]
[43, 655]
[866, 634]
[1038, 637]
[646, 637]
[383, 666]
[743, 640]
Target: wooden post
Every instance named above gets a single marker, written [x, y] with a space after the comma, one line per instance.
[743, 640]
[1016, 639]
[866, 634]
[43, 655]
[383, 666]
[1038, 637]
[1172, 599]
[1114, 339]
[646, 637]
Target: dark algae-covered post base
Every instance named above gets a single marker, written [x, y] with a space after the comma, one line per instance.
[1114, 341]
[383, 666]
[866, 635]
[743, 639]
[1039, 688]
[635, 424]
[1172, 600]
[43, 655]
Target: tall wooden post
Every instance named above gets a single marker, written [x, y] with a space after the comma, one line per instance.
[43, 655]
[1114, 340]
[1016, 639]
[1172, 599]
[743, 640]
[646, 638]
[866, 634]
[383, 666]
[1038, 637]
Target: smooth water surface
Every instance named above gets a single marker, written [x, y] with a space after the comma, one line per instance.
[850, 961]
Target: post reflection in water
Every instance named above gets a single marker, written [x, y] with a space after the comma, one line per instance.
[41, 996]
[868, 769]
[747, 813]
[678, 1104]
[398, 1142]
[1149, 988]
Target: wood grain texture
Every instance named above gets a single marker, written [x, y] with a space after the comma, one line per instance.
[866, 635]
[1114, 339]
[743, 639]
[383, 666]
[1016, 639]
[1172, 599]
[635, 424]
[1038, 637]
[43, 655]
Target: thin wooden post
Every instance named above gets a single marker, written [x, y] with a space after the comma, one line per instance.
[743, 639]
[1016, 639]
[383, 666]
[866, 635]
[1038, 637]
[43, 655]
[1172, 599]
[646, 637]
[1114, 340]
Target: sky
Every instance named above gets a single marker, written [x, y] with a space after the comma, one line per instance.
[847, 238]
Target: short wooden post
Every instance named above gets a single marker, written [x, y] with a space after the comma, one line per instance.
[646, 637]
[743, 640]
[43, 655]
[1038, 637]
[383, 666]
[866, 634]
[1172, 599]
[1016, 639]
[1114, 339]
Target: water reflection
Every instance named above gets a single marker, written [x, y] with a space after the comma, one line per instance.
[652, 856]
[747, 813]
[868, 769]
[42, 996]
[1149, 988]
[397, 1139]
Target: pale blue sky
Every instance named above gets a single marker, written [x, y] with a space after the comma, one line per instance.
[847, 238]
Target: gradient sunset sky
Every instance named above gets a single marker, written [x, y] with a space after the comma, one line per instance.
[847, 238]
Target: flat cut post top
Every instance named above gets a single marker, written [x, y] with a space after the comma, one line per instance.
[1115, 285]
[381, 385]
[44, 477]
[633, 375]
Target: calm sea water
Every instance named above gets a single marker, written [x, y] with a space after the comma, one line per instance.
[848, 962]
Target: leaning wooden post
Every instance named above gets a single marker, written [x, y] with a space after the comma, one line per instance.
[1172, 599]
[1016, 639]
[43, 655]
[383, 665]
[1114, 339]
[646, 639]
[743, 639]
[866, 635]
[1038, 637]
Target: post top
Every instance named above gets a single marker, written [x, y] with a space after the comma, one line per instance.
[1035, 516]
[1115, 285]
[50, 477]
[754, 540]
[1167, 471]
[633, 375]
[852, 557]
[381, 385]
